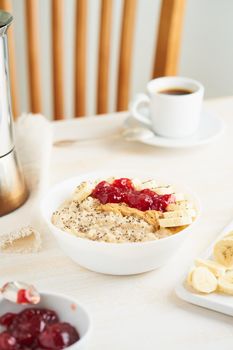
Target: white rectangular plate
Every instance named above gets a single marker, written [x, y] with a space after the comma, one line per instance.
[218, 302]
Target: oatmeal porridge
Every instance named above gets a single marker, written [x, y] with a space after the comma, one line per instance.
[124, 210]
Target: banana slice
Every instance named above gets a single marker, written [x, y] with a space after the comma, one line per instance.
[137, 183]
[163, 190]
[179, 197]
[180, 205]
[217, 269]
[223, 252]
[225, 283]
[203, 280]
[229, 234]
[83, 191]
[151, 184]
[110, 179]
[179, 213]
[189, 277]
[177, 221]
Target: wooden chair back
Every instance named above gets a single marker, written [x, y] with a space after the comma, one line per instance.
[165, 63]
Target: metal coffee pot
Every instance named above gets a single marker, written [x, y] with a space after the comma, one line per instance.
[13, 191]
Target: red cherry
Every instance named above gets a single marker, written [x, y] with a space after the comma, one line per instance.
[149, 192]
[115, 195]
[58, 336]
[122, 190]
[27, 325]
[140, 201]
[106, 193]
[160, 203]
[24, 337]
[101, 187]
[144, 202]
[49, 316]
[7, 319]
[27, 315]
[8, 342]
[102, 191]
[131, 199]
[25, 328]
[123, 183]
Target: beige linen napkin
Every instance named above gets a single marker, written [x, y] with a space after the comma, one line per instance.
[20, 231]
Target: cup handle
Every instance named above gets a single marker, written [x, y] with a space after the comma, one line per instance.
[133, 108]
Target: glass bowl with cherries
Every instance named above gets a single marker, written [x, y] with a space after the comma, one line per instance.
[56, 322]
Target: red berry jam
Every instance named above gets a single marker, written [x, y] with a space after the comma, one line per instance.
[35, 329]
[123, 191]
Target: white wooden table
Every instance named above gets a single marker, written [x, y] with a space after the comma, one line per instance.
[141, 312]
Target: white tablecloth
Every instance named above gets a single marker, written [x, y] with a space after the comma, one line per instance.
[141, 312]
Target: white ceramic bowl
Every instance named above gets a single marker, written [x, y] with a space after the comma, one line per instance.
[67, 309]
[110, 258]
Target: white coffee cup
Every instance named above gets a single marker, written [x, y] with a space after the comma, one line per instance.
[174, 106]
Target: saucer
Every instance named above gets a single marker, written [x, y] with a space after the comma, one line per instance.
[210, 128]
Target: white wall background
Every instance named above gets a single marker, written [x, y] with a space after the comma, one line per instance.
[206, 50]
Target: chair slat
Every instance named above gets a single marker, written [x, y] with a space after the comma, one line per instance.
[58, 55]
[32, 30]
[169, 37]
[126, 47]
[104, 56]
[6, 5]
[80, 58]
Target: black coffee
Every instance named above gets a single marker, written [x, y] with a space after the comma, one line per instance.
[175, 91]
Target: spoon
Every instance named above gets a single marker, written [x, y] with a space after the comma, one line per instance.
[20, 293]
[131, 134]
